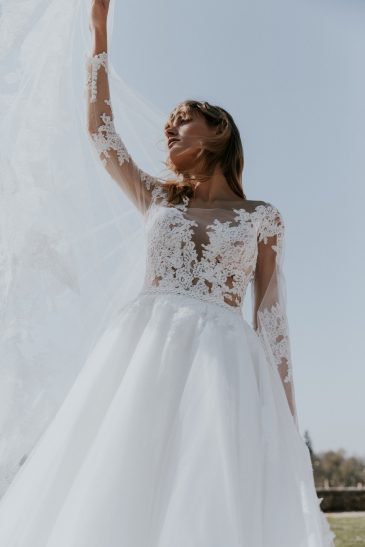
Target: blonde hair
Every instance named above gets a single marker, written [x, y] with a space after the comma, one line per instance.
[224, 149]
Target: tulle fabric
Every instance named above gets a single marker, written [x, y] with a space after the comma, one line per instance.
[72, 244]
[176, 432]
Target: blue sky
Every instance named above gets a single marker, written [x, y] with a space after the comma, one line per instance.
[291, 74]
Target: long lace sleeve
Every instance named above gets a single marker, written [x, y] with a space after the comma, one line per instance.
[269, 300]
[136, 184]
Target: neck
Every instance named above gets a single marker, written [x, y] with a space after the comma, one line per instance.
[215, 188]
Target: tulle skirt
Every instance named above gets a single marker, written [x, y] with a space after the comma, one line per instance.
[176, 433]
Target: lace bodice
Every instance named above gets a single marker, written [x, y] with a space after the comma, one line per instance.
[206, 253]
[210, 254]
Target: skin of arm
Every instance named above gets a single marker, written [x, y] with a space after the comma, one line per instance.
[98, 26]
[134, 182]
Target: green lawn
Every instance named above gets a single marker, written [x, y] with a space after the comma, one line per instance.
[349, 529]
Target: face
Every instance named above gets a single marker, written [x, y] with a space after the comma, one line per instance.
[185, 137]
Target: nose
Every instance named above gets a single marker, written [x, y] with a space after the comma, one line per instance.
[171, 131]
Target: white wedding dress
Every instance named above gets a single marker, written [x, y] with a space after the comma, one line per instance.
[180, 429]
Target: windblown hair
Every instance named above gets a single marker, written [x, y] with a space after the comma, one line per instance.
[224, 149]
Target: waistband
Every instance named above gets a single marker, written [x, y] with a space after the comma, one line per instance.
[237, 310]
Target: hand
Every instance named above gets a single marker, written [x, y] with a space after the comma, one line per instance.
[99, 15]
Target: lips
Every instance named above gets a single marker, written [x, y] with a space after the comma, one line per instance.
[172, 141]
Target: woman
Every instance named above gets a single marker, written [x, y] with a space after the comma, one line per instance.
[181, 428]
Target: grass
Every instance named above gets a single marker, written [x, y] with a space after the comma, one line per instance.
[349, 529]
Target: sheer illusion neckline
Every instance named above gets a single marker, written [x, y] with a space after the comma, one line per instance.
[185, 205]
[226, 209]
[188, 208]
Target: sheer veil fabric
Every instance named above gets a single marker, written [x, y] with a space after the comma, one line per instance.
[77, 253]
[72, 244]
[73, 250]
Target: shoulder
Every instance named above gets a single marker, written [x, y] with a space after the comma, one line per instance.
[265, 207]
[269, 209]
[255, 203]
[271, 220]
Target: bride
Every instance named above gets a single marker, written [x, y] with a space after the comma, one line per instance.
[181, 428]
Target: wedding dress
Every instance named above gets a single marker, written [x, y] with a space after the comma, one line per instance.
[180, 429]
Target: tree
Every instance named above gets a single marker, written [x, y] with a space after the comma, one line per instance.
[335, 468]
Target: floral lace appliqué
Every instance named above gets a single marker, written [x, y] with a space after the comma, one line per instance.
[218, 271]
[107, 139]
[275, 326]
[95, 62]
[272, 224]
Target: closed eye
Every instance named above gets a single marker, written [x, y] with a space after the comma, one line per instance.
[179, 121]
[185, 120]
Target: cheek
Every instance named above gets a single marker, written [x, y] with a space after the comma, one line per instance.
[189, 145]
[195, 135]
[192, 131]
[191, 137]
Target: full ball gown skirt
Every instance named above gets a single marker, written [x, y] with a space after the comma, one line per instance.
[176, 433]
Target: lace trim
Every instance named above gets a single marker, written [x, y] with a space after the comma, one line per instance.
[159, 198]
[272, 224]
[147, 180]
[95, 62]
[273, 326]
[107, 139]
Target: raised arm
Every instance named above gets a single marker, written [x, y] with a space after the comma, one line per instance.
[135, 183]
[269, 300]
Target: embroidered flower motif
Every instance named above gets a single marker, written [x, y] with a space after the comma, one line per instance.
[219, 270]
[273, 322]
[95, 62]
[107, 139]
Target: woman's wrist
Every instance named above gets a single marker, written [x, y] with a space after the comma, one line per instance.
[99, 40]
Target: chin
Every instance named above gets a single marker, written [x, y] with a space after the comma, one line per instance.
[181, 162]
[174, 159]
